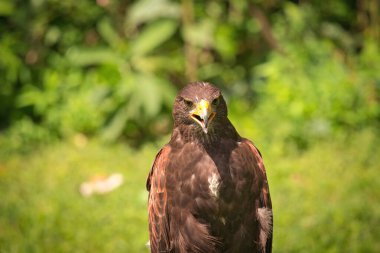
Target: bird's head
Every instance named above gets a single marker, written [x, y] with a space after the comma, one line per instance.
[201, 106]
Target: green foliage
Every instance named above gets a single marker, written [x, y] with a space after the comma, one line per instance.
[314, 89]
[110, 71]
[95, 77]
[23, 137]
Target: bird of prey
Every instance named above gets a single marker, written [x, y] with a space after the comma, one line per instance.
[208, 190]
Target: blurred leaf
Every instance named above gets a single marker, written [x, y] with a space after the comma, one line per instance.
[52, 35]
[226, 41]
[9, 61]
[148, 10]
[152, 36]
[30, 96]
[109, 34]
[6, 7]
[338, 34]
[151, 64]
[114, 129]
[95, 56]
[140, 106]
[150, 101]
[200, 34]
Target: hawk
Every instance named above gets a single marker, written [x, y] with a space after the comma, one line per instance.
[208, 190]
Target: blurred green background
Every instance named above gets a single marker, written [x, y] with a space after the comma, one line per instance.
[86, 89]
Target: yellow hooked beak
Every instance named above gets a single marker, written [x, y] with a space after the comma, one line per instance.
[203, 114]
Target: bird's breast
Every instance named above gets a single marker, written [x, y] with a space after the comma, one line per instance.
[213, 184]
[203, 184]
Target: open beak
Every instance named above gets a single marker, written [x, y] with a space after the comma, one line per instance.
[203, 114]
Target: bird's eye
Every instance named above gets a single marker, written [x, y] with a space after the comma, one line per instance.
[188, 103]
[215, 102]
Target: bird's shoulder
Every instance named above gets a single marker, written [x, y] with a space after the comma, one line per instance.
[159, 165]
[246, 153]
[157, 203]
[260, 175]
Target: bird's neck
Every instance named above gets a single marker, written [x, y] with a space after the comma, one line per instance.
[191, 133]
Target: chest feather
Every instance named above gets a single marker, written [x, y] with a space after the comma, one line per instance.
[213, 184]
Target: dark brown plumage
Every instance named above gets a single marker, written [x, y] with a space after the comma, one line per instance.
[208, 191]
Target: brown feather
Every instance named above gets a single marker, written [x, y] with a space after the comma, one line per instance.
[158, 218]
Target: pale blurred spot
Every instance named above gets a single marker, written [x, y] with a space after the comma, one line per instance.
[100, 184]
[91, 37]
[31, 57]
[102, 2]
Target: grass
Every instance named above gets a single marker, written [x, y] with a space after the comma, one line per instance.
[325, 199]
[43, 211]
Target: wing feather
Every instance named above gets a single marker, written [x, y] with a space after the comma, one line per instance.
[264, 208]
[157, 204]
